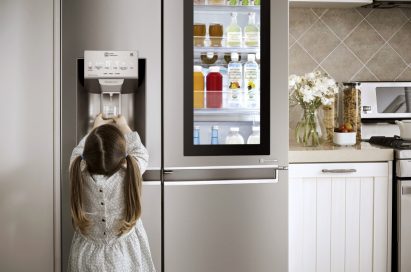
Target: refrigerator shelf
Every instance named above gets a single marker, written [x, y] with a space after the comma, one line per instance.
[227, 115]
[212, 9]
[247, 50]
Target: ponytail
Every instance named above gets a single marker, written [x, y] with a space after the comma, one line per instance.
[132, 195]
[78, 215]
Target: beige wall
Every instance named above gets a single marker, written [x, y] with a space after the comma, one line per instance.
[351, 44]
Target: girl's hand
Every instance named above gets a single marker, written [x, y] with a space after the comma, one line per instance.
[121, 123]
[99, 121]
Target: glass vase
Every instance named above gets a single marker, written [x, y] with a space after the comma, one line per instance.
[308, 131]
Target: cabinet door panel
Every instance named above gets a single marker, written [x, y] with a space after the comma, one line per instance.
[310, 225]
[296, 225]
[366, 224]
[323, 224]
[340, 222]
[352, 225]
[380, 224]
[338, 225]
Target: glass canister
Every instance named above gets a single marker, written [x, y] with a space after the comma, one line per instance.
[348, 114]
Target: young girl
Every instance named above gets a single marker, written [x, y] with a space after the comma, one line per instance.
[105, 175]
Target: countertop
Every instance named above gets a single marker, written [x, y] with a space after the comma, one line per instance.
[363, 152]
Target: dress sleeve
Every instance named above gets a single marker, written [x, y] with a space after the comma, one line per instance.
[136, 149]
[78, 150]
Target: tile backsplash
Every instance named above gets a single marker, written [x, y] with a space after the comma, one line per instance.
[351, 44]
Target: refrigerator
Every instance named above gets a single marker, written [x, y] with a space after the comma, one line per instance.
[225, 136]
[206, 207]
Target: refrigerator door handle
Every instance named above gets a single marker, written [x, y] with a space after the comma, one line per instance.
[218, 173]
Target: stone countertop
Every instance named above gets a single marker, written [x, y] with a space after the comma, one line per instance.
[363, 152]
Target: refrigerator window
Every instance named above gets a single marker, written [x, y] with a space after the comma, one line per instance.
[226, 78]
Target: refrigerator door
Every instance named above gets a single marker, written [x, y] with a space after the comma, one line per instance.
[225, 226]
[110, 25]
[151, 217]
[181, 114]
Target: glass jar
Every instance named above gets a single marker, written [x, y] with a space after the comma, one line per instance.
[348, 118]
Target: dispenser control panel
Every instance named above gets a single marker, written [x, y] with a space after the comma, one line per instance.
[111, 64]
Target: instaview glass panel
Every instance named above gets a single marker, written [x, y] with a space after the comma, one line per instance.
[226, 71]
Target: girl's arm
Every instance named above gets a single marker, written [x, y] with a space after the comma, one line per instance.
[78, 150]
[136, 149]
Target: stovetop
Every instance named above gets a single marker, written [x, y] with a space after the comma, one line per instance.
[402, 147]
[394, 142]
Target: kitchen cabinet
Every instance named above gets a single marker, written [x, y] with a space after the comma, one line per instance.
[340, 217]
[329, 3]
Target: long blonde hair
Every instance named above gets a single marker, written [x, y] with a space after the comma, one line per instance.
[104, 154]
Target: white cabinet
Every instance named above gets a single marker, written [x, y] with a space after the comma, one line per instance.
[329, 3]
[340, 217]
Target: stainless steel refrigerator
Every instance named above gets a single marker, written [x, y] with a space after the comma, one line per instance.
[225, 201]
[206, 207]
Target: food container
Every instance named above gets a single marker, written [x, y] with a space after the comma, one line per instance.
[348, 119]
[345, 138]
[199, 33]
[215, 31]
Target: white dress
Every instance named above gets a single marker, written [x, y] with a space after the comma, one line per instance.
[101, 249]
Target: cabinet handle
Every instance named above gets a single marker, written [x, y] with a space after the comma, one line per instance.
[339, 171]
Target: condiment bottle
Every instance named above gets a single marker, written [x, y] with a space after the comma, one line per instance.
[198, 80]
[214, 88]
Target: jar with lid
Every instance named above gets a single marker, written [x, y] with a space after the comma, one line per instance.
[348, 115]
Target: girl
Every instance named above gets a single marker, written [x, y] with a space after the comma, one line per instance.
[105, 175]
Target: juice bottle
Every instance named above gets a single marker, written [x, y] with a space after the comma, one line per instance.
[214, 88]
[251, 74]
[198, 88]
[251, 32]
[234, 35]
[235, 81]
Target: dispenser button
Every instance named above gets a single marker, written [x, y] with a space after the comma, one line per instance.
[123, 66]
[90, 65]
[107, 64]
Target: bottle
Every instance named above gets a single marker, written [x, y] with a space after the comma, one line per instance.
[234, 136]
[196, 135]
[198, 96]
[251, 32]
[235, 78]
[234, 35]
[254, 138]
[233, 2]
[214, 135]
[214, 88]
[251, 75]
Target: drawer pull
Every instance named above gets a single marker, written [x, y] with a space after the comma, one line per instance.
[339, 171]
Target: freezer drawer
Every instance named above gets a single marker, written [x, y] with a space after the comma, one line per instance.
[224, 227]
[151, 217]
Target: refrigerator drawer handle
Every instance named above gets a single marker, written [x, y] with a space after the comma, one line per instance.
[168, 172]
[339, 171]
[406, 190]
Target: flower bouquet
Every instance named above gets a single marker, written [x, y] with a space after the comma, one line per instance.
[310, 92]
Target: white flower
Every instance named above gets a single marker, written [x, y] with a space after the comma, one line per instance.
[315, 87]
